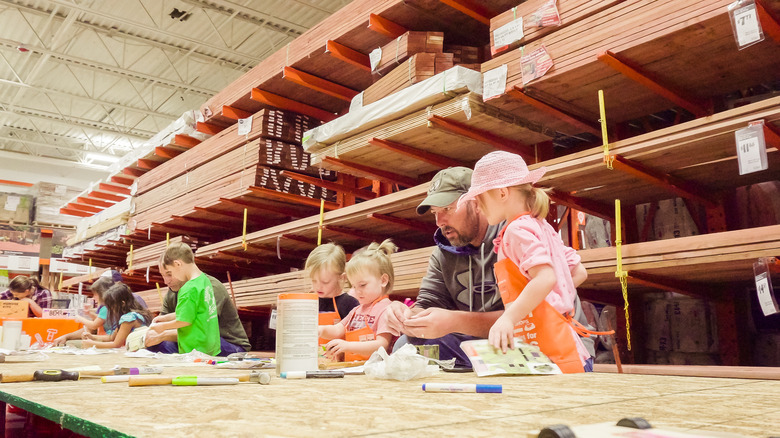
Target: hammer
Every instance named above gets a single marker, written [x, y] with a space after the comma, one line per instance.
[260, 377]
[44, 375]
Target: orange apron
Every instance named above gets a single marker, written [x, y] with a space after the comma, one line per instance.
[361, 335]
[544, 326]
[329, 318]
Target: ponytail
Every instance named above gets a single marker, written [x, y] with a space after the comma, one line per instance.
[537, 199]
[375, 259]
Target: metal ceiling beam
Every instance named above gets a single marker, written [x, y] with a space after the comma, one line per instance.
[111, 32]
[107, 69]
[54, 161]
[139, 134]
[75, 148]
[90, 100]
[252, 16]
[176, 36]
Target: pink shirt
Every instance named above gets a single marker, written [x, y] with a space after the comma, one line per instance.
[530, 242]
[368, 314]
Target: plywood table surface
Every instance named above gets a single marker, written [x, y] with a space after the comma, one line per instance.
[361, 406]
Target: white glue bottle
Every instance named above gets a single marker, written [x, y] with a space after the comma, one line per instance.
[296, 332]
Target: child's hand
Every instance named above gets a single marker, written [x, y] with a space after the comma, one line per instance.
[86, 336]
[502, 333]
[155, 327]
[87, 344]
[59, 342]
[335, 347]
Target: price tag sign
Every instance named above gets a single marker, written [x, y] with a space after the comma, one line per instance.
[764, 290]
[374, 57]
[272, 320]
[244, 126]
[535, 64]
[494, 82]
[744, 21]
[751, 149]
[508, 33]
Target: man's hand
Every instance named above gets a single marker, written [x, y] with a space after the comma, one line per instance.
[152, 338]
[433, 322]
[397, 313]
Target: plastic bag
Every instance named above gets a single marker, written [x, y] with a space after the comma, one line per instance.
[404, 364]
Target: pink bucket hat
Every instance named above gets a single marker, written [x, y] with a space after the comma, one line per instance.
[499, 169]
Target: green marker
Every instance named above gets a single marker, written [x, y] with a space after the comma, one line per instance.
[201, 381]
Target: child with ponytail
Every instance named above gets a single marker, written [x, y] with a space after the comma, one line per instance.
[537, 274]
[364, 330]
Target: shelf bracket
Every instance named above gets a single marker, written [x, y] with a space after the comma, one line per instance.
[518, 94]
[234, 113]
[471, 8]
[208, 128]
[383, 175]
[318, 84]
[437, 160]
[593, 208]
[385, 27]
[350, 56]
[679, 187]
[284, 103]
[636, 74]
[498, 142]
[289, 197]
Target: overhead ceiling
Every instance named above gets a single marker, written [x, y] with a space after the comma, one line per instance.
[83, 82]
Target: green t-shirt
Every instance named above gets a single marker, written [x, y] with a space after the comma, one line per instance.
[230, 328]
[196, 305]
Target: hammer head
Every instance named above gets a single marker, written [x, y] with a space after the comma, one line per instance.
[260, 377]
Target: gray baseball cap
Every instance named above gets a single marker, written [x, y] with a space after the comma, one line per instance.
[446, 187]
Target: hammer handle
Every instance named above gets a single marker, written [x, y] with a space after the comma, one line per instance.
[17, 377]
[149, 380]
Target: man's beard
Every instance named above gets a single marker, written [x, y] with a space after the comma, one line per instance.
[468, 233]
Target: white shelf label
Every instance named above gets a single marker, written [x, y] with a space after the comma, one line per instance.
[765, 298]
[494, 82]
[245, 126]
[508, 33]
[751, 149]
[374, 57]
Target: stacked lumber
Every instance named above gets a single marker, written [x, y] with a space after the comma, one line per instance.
[701, 152]
[413, 130]
[347, 27]
[464, 54]
[417, 68]
[396, 52]
[569, 11]
[267, 124]
[228, 176]
[149, 255]
[662, 38]
[711, 258]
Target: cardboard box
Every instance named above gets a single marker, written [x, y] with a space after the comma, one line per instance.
[693, 326]
[14, 309]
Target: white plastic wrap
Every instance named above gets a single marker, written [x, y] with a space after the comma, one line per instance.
[439, 88]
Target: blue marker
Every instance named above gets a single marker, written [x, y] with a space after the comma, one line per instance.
[461, 387]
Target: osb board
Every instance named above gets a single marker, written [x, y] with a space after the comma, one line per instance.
[702, 151]
[284, 408]
[413, 131]
[665, 50]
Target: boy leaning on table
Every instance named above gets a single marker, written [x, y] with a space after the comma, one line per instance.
[195, 318]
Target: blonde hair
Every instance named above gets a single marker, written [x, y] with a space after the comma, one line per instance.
[537, 199]
[326, 256]
[177, 251]
[374, 259]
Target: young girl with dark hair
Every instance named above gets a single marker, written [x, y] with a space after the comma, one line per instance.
[124, 316]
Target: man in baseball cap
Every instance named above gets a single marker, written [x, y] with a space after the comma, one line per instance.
[458, 298]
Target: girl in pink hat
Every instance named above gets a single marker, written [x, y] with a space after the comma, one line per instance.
[537, 274]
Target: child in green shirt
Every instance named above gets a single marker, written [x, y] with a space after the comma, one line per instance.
[195, 320]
